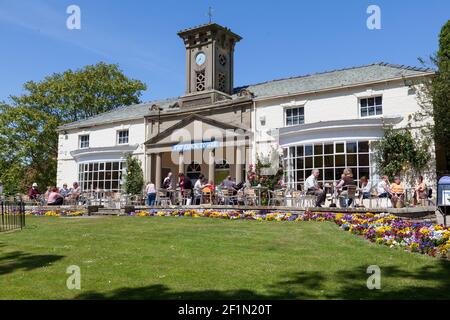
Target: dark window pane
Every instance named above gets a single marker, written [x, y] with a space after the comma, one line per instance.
[102, 166]
[363, 103]
[115, 166]
[288, 113]
[329, 161]
[318, 162]
[371, 102]
[95, 175]
[339, 148]
[300, 176]
[292, 152]
[329, 174]
[107, 175]
[308, 150]
[371, 111]
[329, 149]
[308, 162]
[101, 176]
[379, 110]
[318, 149]
[108, 166]
[289, 121]
[340, 161]
[108, 185]
[364, 172]
[307, 173]
[338, 174]
[364, 112]
[294, 112]
[351, 160]
[363, 146]
[91, 167]
[115, 185]
[101, 185]
[378, 101]
[94, 185]
[115, 175]
[351, 147]
[363, 160]
[299, 163]
[300, 151]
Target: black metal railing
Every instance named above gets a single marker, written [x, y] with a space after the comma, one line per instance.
[12, 215]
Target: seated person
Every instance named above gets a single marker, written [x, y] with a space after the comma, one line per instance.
[365, 187]
[64, 191]
[75, 192]
[34, 193]
[420, 191]
[346, 180]
[397, 191]
[312, 187]
[55, 198]
[383, 189]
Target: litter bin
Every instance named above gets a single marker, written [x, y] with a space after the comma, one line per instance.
[443, 196]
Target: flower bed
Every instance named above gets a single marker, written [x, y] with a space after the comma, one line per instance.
[56, 213]
[386, 229]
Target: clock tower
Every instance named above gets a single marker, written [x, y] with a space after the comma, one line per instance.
[209, 64]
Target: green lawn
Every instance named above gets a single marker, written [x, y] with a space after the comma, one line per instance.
[172, 258]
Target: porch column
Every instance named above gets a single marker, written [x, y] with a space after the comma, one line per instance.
[181, 162]
[211, 165]
[158, 171]
[239, 160]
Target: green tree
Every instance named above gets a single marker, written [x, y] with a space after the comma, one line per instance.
[134, 178]
[28, 124]
[434, 99]
[398, 153]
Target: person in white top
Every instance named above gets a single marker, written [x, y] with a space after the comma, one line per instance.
[150, 190]
[312, 187]
[198, 187]
[167, 183]
[383, 189]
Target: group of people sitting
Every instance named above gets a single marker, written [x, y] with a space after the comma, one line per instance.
[395, 191]
[186, 187]
[54, 196]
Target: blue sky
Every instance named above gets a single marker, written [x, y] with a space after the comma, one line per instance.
[282, 38]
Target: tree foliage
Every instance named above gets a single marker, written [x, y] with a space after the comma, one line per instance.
[28, 124]
[134, 179]
[434, 97]
[398, 153]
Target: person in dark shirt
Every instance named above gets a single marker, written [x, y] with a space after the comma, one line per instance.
[34, 193]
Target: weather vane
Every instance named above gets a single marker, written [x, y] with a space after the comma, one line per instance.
[210, 14]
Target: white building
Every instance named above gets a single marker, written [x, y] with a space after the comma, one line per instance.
[325, 120]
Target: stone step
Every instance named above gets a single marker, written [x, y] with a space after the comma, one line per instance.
[109, 212]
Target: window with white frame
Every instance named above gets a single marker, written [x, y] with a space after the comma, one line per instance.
[295, 116]
[371, 106]
[106, 176]
[84, 141]
[330, 158]
[122, 136]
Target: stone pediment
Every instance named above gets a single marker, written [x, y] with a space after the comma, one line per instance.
[196, 128]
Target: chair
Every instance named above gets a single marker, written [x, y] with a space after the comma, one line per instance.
[277, 197]
[296, 198]
[186, 198]
[162, 199]
[347, 195]
[207, 195]
[250, 197]
[227, 196]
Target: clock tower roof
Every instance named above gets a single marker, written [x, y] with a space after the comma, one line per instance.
[208, 27]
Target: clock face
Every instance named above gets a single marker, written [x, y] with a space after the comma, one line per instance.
[200, 59]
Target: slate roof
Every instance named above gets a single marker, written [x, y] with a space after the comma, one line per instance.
[334, 79]
[136, 111]
[306, 83]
